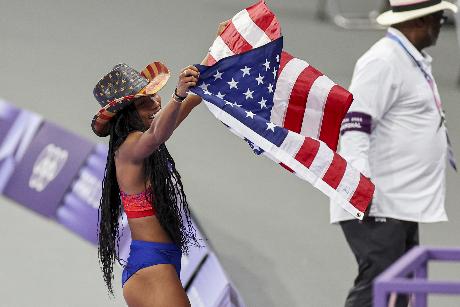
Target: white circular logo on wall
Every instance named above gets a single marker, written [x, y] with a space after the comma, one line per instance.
[49, 163]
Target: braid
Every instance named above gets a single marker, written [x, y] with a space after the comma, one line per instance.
[109, 213]
[168, 197]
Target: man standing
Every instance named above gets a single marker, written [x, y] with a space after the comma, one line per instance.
[395, 134]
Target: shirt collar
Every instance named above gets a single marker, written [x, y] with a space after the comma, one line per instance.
[422, 57]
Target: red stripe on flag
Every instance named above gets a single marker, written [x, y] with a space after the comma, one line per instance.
[286, 167]
[211, 60]
[298, 99]
[285, 58]
[234, 40]
[265, 20]
[307, 152]
[274, 30]
[337, 104]
[362, 197]
[335, 171]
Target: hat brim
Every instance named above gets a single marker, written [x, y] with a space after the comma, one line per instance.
[390, 18]
[157, 73]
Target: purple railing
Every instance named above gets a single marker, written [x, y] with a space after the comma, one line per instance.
[409, 275]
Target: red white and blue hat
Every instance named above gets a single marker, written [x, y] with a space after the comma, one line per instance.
[404, 10]
[121, 86]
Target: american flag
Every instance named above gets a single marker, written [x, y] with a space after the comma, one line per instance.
[305, 101]
[240, 91]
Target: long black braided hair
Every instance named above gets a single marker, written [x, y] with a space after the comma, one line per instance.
[168, 197]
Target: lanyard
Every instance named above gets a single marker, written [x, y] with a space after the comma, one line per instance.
[450, 152]
[427, 78]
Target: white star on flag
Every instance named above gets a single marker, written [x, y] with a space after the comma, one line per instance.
[267, 65]
[218, 75]
[250, 114]
[233, 84]
[204, 86]
[259, 80]
[245, 71]
[271, 126]
[262, 103]
[248, 94]
[270, 88]
[220, 95]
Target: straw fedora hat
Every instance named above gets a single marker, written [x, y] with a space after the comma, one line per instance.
[403, 10]
[120, 87]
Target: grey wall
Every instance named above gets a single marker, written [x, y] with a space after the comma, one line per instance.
[269, 229]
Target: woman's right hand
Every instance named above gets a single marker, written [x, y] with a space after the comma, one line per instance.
[188, 77]
[222, 27]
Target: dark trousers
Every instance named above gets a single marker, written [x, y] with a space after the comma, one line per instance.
[376, 245]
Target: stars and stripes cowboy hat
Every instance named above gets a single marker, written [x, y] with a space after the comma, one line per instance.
[121, 86]
[404, 10]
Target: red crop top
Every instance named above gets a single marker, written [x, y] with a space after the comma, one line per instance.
[137, 205]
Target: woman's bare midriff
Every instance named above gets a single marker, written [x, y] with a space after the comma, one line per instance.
[148, 229]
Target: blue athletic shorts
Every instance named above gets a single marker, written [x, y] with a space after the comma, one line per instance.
[143, 254]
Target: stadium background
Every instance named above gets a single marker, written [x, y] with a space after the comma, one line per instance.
[270, 230]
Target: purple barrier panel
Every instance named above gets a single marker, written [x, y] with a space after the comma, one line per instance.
[97, 165]
[47, 169]
[78, 217]
[6, 170]
[82, 219]
[16, 125]
[88, 187]
[79, 211]
[212, 288]
[17, 129]
[101, 150]
[8, 115]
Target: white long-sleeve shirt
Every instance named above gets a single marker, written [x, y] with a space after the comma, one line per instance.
[404, 149]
